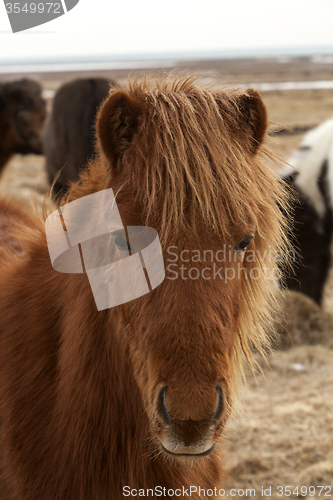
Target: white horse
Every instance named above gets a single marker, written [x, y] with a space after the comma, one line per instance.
[311, 175]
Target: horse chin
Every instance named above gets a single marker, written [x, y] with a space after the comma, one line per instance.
[188, 452]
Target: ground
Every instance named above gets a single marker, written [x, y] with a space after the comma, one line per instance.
[282, 435]
[282, 432]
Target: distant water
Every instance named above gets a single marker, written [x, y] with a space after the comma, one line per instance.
[63, 63]
[320, 84]
[84, 66]
[270, 86]
[261, 87]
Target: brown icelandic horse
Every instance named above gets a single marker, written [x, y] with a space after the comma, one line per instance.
[22, 115]
[137, 396]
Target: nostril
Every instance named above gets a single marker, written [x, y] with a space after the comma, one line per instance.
[219, 408]
[161, 405]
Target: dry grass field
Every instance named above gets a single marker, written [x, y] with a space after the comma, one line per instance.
[282, 432]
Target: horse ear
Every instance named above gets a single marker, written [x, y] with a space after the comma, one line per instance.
[253, 116]
[116, 124]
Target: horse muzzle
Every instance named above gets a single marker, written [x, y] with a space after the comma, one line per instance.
[187, 437]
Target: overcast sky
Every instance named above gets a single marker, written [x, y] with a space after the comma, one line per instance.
[107, 27]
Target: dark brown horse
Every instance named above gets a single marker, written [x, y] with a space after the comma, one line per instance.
[69, 136]
[95, 403]
[22, 114]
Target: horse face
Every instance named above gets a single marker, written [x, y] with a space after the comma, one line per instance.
[28, 112]
[180, 338]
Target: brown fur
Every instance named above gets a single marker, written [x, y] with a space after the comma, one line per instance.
[22, 114]
[69, 140]
[80, 390]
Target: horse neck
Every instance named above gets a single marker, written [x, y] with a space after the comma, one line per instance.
[95, 177]
[99, 409]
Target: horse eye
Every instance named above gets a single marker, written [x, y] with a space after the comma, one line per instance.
[119, 239]
[242, 245]
[121, 243]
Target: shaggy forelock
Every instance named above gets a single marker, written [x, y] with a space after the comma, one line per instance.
[186, 162]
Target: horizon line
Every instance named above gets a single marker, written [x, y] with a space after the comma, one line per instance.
[176, 56]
